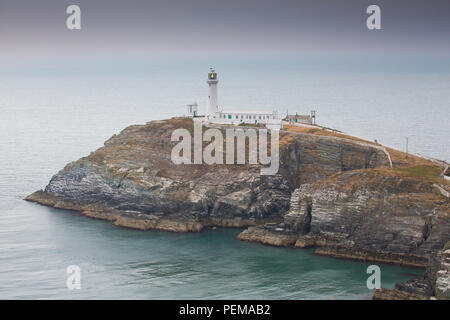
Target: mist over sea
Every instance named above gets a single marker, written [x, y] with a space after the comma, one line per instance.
[54, 112]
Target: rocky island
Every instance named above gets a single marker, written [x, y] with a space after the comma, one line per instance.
[346, 197]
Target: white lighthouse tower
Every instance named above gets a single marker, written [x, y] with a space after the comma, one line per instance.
[212, 105]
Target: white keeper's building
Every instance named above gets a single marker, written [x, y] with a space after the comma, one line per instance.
[216, 115]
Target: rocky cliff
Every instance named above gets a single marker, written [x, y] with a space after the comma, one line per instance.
[367, 212]
[132, 181]
[331, 192]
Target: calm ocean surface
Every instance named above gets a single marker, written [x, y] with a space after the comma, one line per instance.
[54, 114]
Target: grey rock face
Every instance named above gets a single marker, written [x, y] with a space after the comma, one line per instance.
[404, 220]
[442, 284]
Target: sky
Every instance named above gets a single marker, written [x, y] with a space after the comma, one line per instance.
[304, 52]
[251, 28]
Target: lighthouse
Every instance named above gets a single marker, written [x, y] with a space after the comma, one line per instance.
[270, 119]
[212, 104]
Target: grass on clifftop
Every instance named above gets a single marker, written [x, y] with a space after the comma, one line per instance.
[402, 164]
[421, 171]
[321, 131]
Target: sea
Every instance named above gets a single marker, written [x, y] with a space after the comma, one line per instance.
[55, 111]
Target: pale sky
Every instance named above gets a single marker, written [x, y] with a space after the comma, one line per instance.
[231, 27]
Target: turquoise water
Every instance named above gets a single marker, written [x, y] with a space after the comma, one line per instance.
[130, 264]
[53, 115]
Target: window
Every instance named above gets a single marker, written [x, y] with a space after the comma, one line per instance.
[229, 116]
